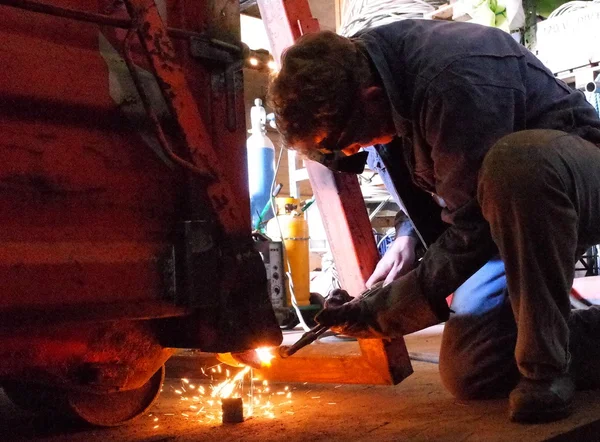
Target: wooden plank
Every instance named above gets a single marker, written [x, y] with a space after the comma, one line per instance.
[326, 362]
[347, 225]
[349, 233]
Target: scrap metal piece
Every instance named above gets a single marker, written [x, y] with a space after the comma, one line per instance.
[249, 358]
[232, 361]
[233, 410]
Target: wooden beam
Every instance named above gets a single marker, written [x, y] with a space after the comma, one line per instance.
[339, 9]
[350, 236]
[346, 223]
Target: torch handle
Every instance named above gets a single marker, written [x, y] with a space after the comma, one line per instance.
[313, 334]
[307, 338]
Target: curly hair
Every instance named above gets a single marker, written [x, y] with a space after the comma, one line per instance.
[317, 85]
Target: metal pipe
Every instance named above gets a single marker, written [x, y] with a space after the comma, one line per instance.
[307, 338]
[103, 19]
[160, 135]
[379, 208]
[593, 86]
[74, 14]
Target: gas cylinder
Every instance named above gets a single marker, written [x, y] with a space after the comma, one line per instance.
[294, 234]
[261, 164]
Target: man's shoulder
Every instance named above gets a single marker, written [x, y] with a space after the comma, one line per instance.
[443, 38]
[424, 28]
[423, 49]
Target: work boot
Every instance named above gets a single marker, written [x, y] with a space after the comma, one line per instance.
[541, 401]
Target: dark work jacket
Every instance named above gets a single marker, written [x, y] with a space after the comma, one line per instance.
[456, 89]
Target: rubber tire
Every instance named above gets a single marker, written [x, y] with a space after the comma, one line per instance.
[114, 409]
[103, 410]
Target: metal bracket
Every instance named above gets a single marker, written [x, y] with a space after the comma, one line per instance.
[233, 64]
[169, 274]
[204, 49]
[197, 263]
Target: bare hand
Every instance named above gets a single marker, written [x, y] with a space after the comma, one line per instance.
[397, 261]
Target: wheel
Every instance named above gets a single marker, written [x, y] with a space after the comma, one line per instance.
[110, 410]
[105, 410]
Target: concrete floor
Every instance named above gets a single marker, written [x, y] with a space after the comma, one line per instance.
[418, 409]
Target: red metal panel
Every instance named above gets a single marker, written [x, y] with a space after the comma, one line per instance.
[86, 206]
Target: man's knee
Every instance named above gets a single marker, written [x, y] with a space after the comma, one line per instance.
[477, 355]
[467, 378]
[460, 379]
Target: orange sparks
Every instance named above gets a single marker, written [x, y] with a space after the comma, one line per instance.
[261, 400]
[225, 388]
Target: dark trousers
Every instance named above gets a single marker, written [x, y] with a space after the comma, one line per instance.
[540, 192]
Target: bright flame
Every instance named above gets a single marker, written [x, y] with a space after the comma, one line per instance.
[272, 65]
[253, 61]
[265, 356]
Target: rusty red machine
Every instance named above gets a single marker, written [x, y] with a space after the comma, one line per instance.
[125, 222]
[124, 210]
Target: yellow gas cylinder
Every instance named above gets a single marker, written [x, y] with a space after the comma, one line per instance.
[294, 230]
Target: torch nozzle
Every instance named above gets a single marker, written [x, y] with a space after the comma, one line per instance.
[307, 338]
